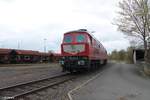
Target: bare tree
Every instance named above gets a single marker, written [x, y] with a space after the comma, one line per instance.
[134, 20]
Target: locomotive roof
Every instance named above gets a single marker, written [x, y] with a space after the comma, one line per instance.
[84, 31]
[80, 30]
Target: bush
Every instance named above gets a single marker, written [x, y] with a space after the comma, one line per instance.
[122, 55]
[147, 69]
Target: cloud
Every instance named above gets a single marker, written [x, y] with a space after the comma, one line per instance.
[31, 21]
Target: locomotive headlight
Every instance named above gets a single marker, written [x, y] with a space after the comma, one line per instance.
[61, 62]
[81, 62]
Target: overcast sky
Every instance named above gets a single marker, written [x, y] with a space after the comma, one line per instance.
[29, 22]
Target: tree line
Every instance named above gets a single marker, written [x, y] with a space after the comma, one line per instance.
[122, 55]
[134, 21]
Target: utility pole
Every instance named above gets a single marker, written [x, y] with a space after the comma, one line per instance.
[45, 44]
[18, 45]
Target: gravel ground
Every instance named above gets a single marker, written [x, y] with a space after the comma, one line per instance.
[12, 75]
[120, 82]
[60, 92]
[22, 73]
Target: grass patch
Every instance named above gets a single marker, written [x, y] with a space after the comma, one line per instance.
[147, 70]
[144, 69]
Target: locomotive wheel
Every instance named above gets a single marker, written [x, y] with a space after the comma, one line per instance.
[92, 65]
[102, 62]
[71, 71]
[63, 70]
[105, 62]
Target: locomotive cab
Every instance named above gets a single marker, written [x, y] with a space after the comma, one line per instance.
[74, 44]
[75, 49]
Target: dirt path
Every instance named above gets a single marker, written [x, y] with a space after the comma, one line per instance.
[120, 82]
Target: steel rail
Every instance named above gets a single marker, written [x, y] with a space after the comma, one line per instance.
[59, 80]
[29, 82]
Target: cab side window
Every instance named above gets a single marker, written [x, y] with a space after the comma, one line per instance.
[90, 40]
[94, 43]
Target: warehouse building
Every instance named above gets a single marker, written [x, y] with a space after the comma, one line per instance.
[138, 52]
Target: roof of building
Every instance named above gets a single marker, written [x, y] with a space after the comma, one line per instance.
[44, 54]
[5, 51]
[26, 52]
[141, 47]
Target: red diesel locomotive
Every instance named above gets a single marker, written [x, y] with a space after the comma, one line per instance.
[80, 50]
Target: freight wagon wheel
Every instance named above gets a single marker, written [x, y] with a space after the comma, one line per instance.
[13, 56]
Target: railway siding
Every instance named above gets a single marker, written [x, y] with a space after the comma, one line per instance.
[20, 90]
[58, 92]
[20, 74]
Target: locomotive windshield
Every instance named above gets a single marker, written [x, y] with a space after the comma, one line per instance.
[68, 39]
[80, 38]
[74, 38]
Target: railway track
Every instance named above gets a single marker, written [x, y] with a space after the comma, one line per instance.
[20, 90]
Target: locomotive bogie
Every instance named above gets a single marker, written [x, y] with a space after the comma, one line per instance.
[74, 63]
